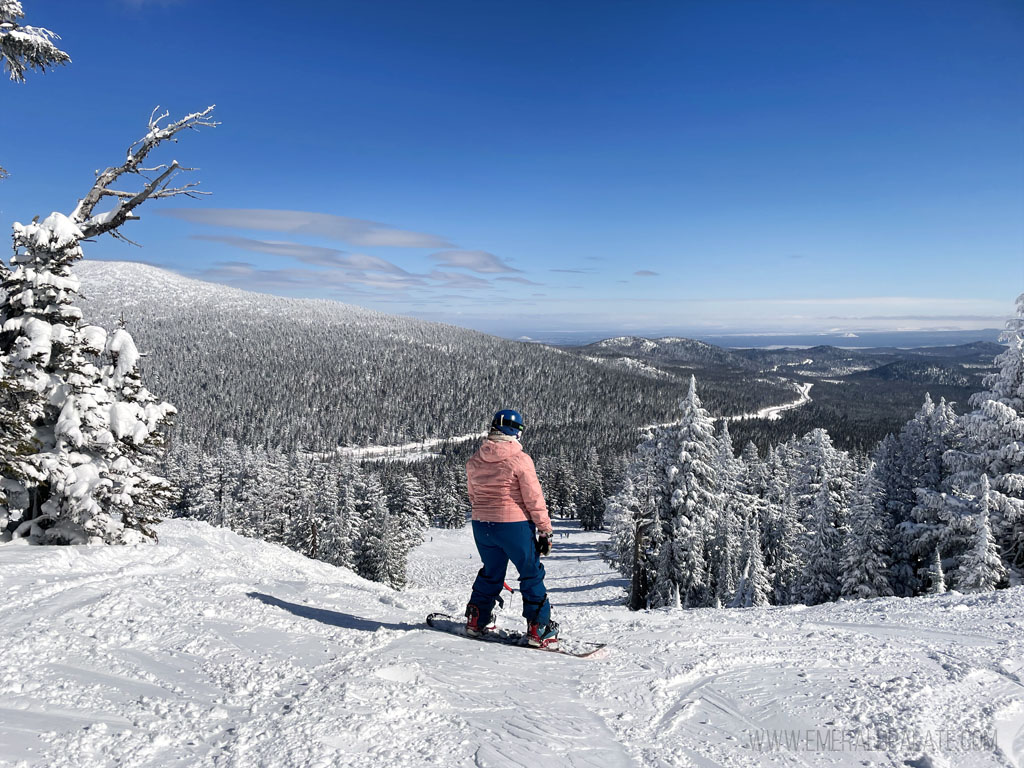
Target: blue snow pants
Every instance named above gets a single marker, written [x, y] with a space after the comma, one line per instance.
[498, 543]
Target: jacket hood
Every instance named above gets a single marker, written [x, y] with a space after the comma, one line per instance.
[494, 450]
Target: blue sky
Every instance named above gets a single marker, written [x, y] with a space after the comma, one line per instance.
[530, 168]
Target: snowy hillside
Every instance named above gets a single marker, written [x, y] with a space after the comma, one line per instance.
[314, 374]
[211, 649]
[671, 350]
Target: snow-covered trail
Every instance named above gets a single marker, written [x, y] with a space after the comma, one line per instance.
[425, 448]
[774, 412]
[214, 650]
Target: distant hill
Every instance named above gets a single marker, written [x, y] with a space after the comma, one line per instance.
[921, 372]
[669, 350]
[315, 374]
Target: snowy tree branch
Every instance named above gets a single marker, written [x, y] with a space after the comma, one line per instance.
[157, 187]
[23, 48]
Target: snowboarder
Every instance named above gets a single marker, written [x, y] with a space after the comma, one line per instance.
[510, 522]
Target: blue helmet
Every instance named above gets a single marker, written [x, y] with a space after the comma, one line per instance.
[508, 421]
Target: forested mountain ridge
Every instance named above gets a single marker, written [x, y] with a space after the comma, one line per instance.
[668, 350]
[314, 374]
[923, 371]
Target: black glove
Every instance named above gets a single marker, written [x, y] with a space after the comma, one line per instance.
[544, 543]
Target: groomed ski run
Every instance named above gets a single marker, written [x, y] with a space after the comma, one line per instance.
[210, 649]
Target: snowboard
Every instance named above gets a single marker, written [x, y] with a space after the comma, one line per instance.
[567, 647]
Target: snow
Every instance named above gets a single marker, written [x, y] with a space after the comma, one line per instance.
[210, 649]
[630, 364]
[774, 412]
[122, 345]
[423, 449]
[407, 452]
[93, 337]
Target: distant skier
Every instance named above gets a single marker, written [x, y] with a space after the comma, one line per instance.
[510, 522]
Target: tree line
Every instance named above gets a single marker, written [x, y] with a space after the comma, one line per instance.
[938, 504]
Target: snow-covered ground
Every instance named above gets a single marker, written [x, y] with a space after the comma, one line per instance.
[214, 650]
[425, 448]
[774, 412]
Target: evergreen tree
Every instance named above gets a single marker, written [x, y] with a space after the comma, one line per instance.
[96, 432]
[913, 465]
[936, 577]
[409, 505]
[73, 390]
[694, 499]
[450, 508]
[23, 48]
[866, 558]
[821, 551]
[343, 526]
[636, 514]
[591, 495]
[981, 568]
[753, 587]
[381, 553]
[993, 445]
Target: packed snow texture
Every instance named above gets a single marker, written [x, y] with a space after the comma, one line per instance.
[210, 649]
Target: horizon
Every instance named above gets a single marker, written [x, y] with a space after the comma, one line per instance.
[902, 338]
[699, 169]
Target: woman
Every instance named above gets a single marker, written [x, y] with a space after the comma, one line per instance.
[508, 510]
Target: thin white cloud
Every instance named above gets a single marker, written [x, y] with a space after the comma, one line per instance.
[520, 280]
[458, 280]
[475, 261]
[308, 254]
[645, 273]
[344, 228]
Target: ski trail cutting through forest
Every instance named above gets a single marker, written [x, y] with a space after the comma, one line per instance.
[423, 449]
[210, 649]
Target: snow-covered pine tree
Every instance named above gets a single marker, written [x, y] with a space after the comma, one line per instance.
[936, 576]
[821, 552]
[636, 514]
[752, 587]
[724, 556]
[994, 444]
[981, 568]
[562, 488]
[866, 569]
[817, 463]
[909, 465]
[694, 499]
[381, 553]
[409, 505]
[822, 476]
[23, 48]
[781, 530]
[96, 431]
[450, 510]
[591, 504]
[343, 525]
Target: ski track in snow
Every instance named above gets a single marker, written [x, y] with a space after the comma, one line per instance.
[424, 449]
[210, 649]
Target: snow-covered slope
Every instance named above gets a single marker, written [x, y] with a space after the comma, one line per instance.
[670, 350]
[214, 650]
[111, 287]
[313, 374]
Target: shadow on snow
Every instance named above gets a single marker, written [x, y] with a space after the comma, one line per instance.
[331, 618]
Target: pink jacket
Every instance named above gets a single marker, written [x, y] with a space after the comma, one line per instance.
[503, 485]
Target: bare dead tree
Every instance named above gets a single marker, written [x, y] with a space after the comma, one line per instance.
[156, 180]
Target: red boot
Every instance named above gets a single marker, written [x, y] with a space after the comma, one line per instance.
[542, 637]
[474, 626]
